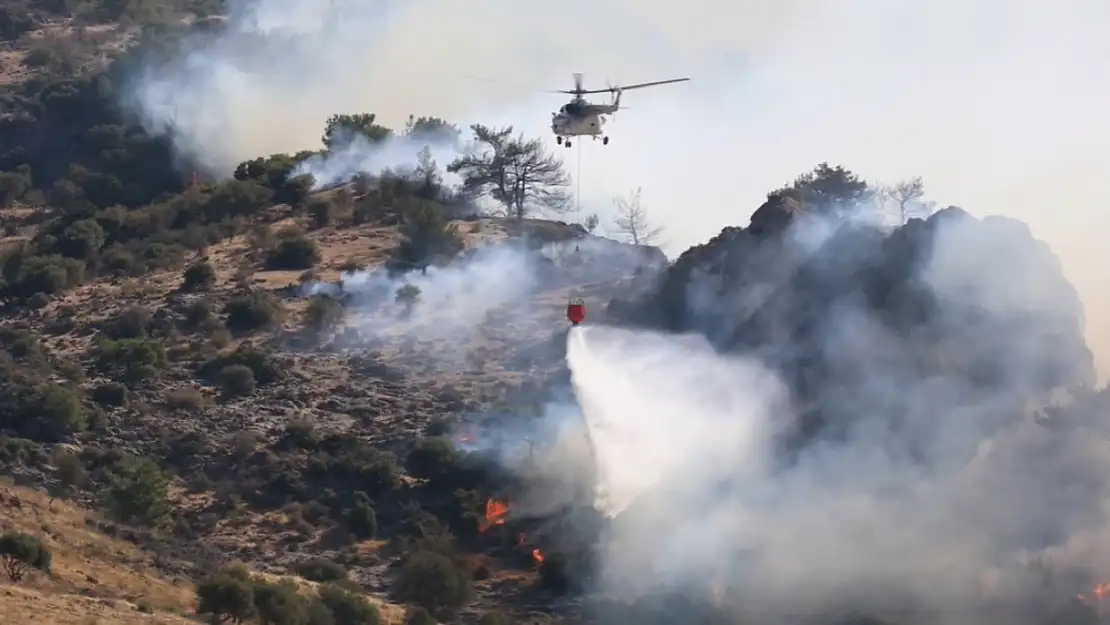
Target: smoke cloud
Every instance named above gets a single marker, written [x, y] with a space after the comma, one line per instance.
[454, 304]
[933, 500]
[997, 104]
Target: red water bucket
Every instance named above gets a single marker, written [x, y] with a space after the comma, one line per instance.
[576, 312]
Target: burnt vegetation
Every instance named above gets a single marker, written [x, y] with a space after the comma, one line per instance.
[153, 396]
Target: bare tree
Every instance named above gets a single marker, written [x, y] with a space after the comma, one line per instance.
[632, 219]
[905, 198]
[517, 172]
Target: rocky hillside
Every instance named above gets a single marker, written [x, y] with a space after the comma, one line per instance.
[257, 399]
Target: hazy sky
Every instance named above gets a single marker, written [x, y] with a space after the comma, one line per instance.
[998, 104]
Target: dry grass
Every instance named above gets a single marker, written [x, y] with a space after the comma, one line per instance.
[95, 578]
[99, 580]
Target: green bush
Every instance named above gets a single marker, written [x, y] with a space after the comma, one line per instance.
[321, 570]
[137, 491]
[433, 458]
[131, 323]
[131, 360]
[262, 364]
[39, 410]
[237, 381]
[251, 311]
[322, 212]
[293, 251]
[362, 521]
[417, 615]
[198, 276]
[434, 582]
[47, 275]
[349, 608]
[226, 595]
[111, 394]
[324, 313]
[407, 295]
[280, 604]
[20, 553]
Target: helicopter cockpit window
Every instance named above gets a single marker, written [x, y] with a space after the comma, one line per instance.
[571, 108]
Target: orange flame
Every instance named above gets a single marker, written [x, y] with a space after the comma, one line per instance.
[1098, 594]
[537, 556]
[496, 511]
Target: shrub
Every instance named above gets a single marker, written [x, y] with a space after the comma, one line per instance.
[20, 553]
[197, 312]
[265, 368]
[137, 491]
[407, 295]
[226, 595]
[237, 381]
[112, 394]
[68, 469]
[46, 275]
[349, 608]
[185, 398]
[132, 360]
[252, 311]
[417, 615]
[198, 276]
[324, 312]
[117, 260]
[322, 213]
[131, 323]
[432, 458]
[362, 521]
[434, 582]
[280, 604]
[293, 251]
[321, 570]
[43, 412]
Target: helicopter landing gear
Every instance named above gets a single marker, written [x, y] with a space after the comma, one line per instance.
[605, 141]
[567, 142]
[559, 140]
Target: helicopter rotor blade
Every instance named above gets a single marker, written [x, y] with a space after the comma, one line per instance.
[649, 84]
[583, 92]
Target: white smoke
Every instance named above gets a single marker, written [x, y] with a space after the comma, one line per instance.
[930, 493]
[357, 155]
[455, 302]
[998, 104]
[671, 423]
[684, 445]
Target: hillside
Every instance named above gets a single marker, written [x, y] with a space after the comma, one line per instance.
[302, 393]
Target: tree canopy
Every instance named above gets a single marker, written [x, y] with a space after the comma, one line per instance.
[517, 172]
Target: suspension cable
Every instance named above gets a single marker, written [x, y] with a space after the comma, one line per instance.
[578, 182]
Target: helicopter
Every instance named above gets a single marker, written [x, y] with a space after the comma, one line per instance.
[579, 117]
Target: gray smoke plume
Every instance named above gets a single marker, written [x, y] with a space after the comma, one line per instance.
[935, 499]
[998, 104]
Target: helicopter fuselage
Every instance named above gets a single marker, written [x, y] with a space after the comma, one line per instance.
[579, 118]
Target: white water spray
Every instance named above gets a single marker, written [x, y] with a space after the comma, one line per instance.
[652, 402]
